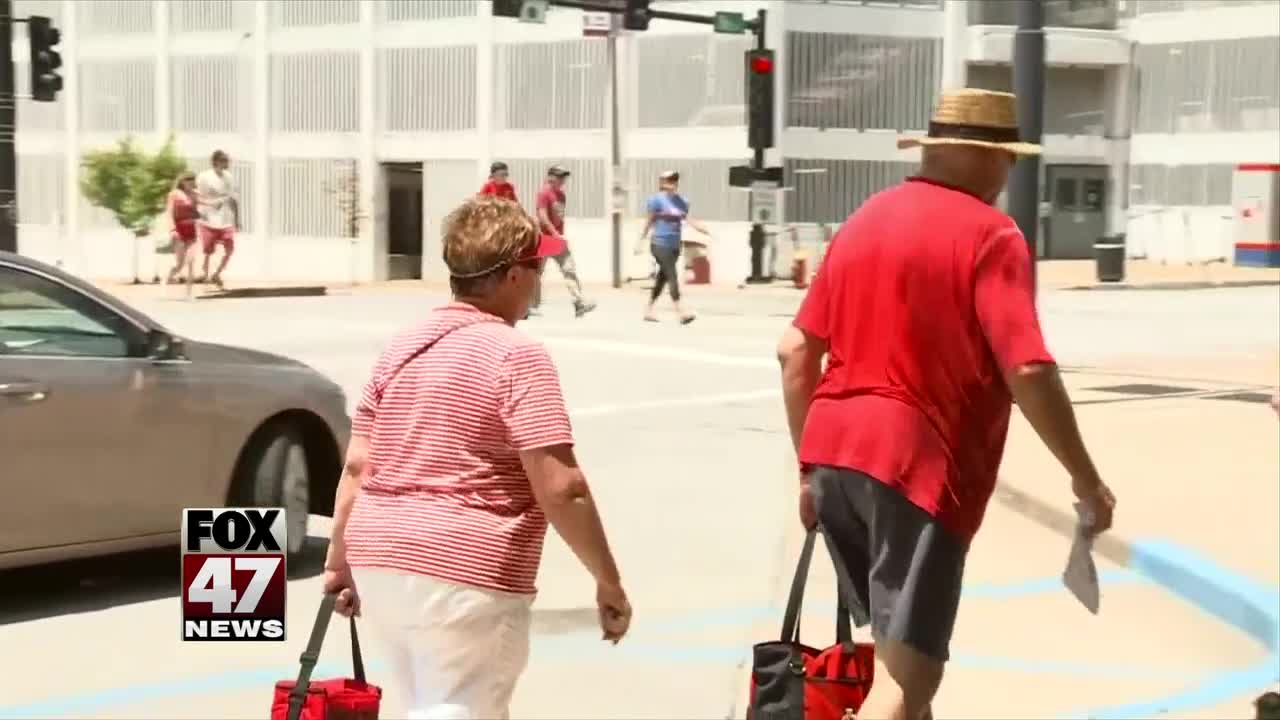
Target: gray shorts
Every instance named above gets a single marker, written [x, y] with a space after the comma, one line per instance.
[900, 569]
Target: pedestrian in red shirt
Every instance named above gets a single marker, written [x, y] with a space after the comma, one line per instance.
[461, 453]
[924, 308]
[497, 185]
[550, 205]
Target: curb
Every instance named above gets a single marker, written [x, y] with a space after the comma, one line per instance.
[1228, 596]
[265, 292]
[1178, 285]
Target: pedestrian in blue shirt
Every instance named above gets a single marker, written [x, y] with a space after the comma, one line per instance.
[668, 212]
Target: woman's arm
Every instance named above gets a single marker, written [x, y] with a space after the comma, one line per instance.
[698, 226]
[353, 471]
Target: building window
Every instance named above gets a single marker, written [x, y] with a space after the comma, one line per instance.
[691, 80]
[1180, 185]
[418, 10]
[860, 82]
[703, 181]
[1073, 100]
[315, 92]
[115, 17]
[1209, 86]
[828, 191]
[41, 189]
[309, 196]
[313, 13]
[117, 96]
[551, 85]
[427, 89]
[209, 15]
[206, 92]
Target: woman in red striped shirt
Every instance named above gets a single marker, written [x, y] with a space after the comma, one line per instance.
[461, 452]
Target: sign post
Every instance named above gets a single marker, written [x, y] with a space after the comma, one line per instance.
[764, 202]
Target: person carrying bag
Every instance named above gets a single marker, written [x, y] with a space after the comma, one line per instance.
[334, 699]
[793, 681]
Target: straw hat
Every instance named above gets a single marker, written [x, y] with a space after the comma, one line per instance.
[970, 116]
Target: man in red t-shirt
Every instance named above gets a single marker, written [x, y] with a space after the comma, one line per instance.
[924, 308]
[498, 185]
[550, 204]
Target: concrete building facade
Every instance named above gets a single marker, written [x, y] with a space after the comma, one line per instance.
[395, 108]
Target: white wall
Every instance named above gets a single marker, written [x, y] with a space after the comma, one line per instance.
[1180, 234]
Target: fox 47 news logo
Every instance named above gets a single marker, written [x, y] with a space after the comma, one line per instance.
[233, 573]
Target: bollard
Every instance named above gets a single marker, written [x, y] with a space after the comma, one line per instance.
[800, 270]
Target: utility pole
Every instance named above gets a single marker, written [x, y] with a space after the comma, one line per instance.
[1028, 84]
[8, 134]
[615, 158]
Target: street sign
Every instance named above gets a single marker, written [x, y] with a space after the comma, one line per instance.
[744, 176]
[730, 22]
[764, 203]
[534, 11]
[599, 24]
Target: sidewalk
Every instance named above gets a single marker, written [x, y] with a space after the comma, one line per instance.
[1051, 275]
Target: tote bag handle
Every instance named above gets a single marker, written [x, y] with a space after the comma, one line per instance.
[311, 655]
[795, 601]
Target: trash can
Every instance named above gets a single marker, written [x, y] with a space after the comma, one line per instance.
[1108, 254]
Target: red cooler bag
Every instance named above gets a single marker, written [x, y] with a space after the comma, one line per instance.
[792, 681]
[337, 699]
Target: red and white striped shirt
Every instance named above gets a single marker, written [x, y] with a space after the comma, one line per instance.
[447, 496]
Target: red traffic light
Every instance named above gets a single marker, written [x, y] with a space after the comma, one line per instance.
[761, 65]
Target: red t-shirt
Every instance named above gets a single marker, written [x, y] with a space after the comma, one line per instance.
[552, 200]
[504, 190]
[925, 297]
[448, 496]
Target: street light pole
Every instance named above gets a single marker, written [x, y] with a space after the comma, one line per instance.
[8, 134]
[615, 157]
[1028, 84]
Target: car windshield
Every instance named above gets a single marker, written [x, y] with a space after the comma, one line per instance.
[33, 323]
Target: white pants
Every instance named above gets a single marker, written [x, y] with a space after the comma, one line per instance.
[454, 652]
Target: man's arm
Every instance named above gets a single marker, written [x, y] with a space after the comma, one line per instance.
[1004, 298]
[800, 352]
[800, 355]
[544, 220]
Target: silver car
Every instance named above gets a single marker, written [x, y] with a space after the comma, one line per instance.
[110, 424]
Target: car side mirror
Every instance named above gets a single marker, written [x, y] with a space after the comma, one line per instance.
[163, 346]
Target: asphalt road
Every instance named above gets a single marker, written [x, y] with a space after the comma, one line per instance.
[681, 432]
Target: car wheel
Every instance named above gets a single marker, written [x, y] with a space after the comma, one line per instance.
[280, 478]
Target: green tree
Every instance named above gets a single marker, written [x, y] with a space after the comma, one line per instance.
[130, 183]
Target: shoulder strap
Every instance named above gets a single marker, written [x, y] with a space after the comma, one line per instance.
[311, 656]
[795, 600]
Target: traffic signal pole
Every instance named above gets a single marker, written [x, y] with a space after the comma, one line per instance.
[8, 134]
[756, 241]
[1028, 85]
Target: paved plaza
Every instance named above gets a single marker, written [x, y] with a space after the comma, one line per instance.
[681, 431]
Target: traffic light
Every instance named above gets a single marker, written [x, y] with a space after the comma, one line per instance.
[506, 8]
[760, 98]
[45, 61]
[635, 16]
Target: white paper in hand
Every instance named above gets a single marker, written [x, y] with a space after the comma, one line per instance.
[1081, 575]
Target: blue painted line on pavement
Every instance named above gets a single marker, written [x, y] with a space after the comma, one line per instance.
[264, 678]
[1233, 598]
